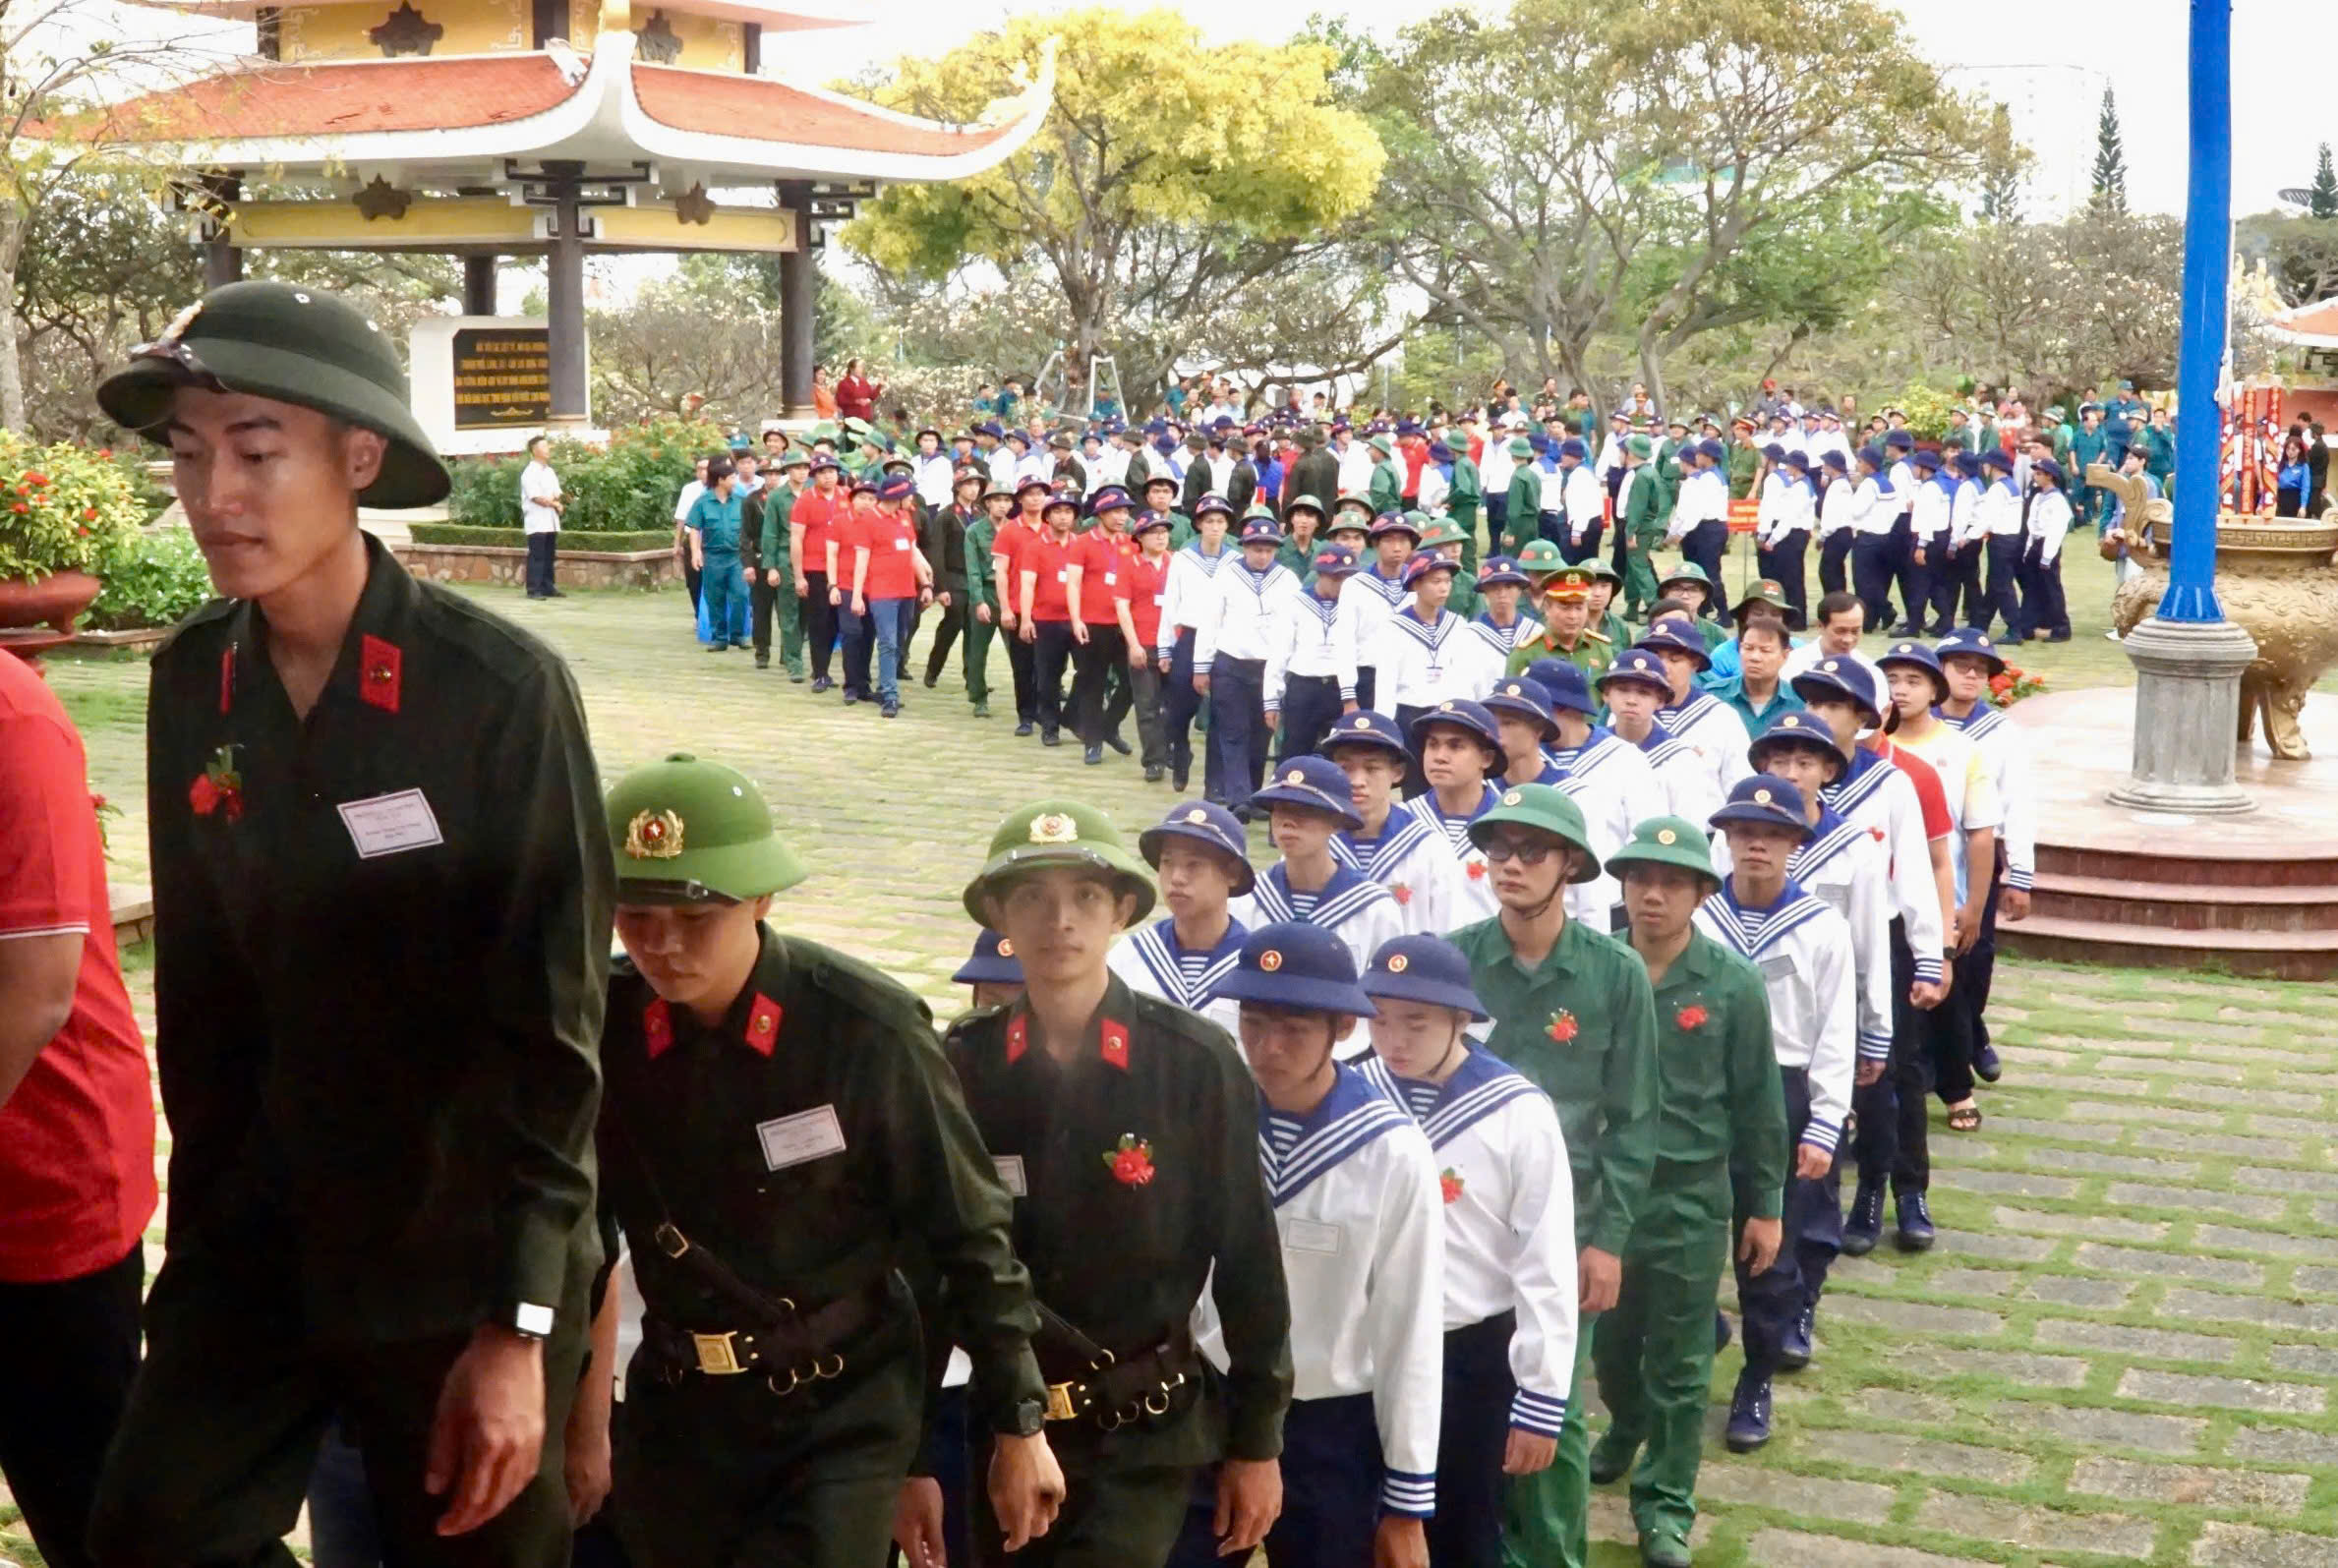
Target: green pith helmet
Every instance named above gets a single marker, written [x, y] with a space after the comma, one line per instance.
[1548, 809]
[1058, 833]
[1688, 571]
[1443, 531]
[295, 346]
[692, 832]
[1665, 841]
[1539, 556]
[1308, 501]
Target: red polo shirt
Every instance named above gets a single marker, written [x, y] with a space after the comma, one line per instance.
[890, 540]
[1102, 561]
[818, 513]
[1051, 562]
[76, 1137]
[1144, 583]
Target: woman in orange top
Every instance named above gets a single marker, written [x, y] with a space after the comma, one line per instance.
[823, 395]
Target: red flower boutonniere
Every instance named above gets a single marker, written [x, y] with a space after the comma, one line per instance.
[1563, 1026]
[1476, 870]
[1401, 891]
[1691, 1016]
[218, 787]
[1449, 1183]
[1130, 1161]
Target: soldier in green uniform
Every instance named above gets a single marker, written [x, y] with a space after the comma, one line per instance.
[1464, 497]
[1302, 520]
[1604, 585]
[780, 1137]
[1386, 493]
[382, 886]
[771, 598]
[1541, 561]
[1688, 583]
[1160, 500]
[1127, 1128]
[1721, 1133]
[1351, 524]
[1647, 508]
[1522, 512]
[1566, 631]
[1442, 535]
[943, 539]
[983, 589]
[1573, 1012]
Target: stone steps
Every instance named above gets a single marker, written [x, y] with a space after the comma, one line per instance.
[2276, 955]
[2187, 905]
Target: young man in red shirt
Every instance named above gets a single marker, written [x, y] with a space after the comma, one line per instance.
[891, 578]
[77, 1128]
[1043, 576]
[857, 639]
[817, 510]
[1020, 529]
[1144, 589]
[1098, 560]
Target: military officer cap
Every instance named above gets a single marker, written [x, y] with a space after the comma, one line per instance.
[1334, 560]
[1539, 557]
[1314, 783]
[1665, 841]
[1568, 584]
[1058, 833]
[1423, 969]
[1640, 664]
[1299, 967]
[1564, 684]
[1209, 824]
[293, 345]
[1366, 727]
[692, 832]
[992, 962]
[1523, 697]
[1972, 642]
[1545, 808]
[1842, 679]
[1804, 729]
[1916, 656]
[1458, 712]
[1307, 503]
[1498, 570]
[1765, 799]
[1420, 566]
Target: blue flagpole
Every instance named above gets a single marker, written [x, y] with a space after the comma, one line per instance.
[2207, 219]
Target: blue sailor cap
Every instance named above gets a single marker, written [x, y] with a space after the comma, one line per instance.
[1423, 969]
[1206, 822]
[1764, 798]
[993, 962]
[1300, 966]
[1313, 782]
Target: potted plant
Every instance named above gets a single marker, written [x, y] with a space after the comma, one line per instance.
[62, 506]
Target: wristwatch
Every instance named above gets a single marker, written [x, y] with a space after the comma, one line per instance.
[1029, 1419]
[528, 1319]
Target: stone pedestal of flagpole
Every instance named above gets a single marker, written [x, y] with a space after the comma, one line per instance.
[2187, 716]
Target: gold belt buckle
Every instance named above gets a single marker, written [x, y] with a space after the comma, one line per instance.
[715, 1356]
[1059, 1401]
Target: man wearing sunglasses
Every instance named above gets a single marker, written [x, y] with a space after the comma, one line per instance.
[1572, 1010]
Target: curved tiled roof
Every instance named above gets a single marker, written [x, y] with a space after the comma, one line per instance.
[348, 98]
[758, 108]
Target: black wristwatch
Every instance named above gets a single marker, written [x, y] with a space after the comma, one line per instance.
[1029, 1419]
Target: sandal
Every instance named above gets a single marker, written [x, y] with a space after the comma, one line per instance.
[1965, 1117]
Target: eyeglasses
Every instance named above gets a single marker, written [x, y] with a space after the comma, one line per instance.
[1526, 853]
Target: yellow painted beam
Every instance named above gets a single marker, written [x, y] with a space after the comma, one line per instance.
[429, 221]
[654, 227]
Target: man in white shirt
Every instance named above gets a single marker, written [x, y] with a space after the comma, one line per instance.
[1389, 843]
[540, 506]
[2001, 524]
[933, 470]
[1356, 460]
[2044, 612]
[1203, 863]
[1311, 678]
[1241, 621]
[1583, 499]
[1928, 534]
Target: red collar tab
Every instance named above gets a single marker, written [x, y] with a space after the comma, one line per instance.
[380, 668]
[227, 678]
[657, 1028]
[1114, 1046]
[1019, 1037]
[763, 1025]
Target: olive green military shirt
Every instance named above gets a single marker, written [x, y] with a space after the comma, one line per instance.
[779, 502]
[982, 537]
[1719, 1099]
[1582, 1025]
[1122, 1248]
[815, 1141]
[382, 948]
[1592, 654]
[1468, 492]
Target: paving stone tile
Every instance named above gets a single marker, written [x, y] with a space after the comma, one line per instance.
[2019, 1367]
[1795, 1549]
[2193, 1484]
[2219, 1072]
[2071, 1289]
[2008, 1183]
[2157, 1344]
[2314, 1360]
[2178, 1141]
[2092, 1426]
[2165, 1115]
[2272, 1243]
[2145, 1195]
[2094, 1227]
[2089, 1084]
[1970, 1282]
[2139, 1261]
[1922, 1455]
[1900, 1405]
[2223, 1545]
[2255, 1098]
[2114, 1535]
[1805, 1496]
[1919, 1317]
[2283, 1445]
[2060, 1159]
[2226, 1393]
[2319, 1279]
[2213, 1307]
[2066, 1131]
[2291, 1127]
[2325, 1214]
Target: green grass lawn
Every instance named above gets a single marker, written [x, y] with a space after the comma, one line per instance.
[2124, 1348]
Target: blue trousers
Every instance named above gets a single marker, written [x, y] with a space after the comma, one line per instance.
[1180, 702]
[1913, 579]
[1782, 564]
[2043, 608]
[722, 601]
[1871, 577]
[893, 619]
[1551, 525]
[1331, 1491]
[1238, 727]
[1812, 1234]
[2002, 597]
[1705, 545]
[1831, 555]
[1311, 707]
[1893, 1141]
[1574, 554]
[1473, 1428]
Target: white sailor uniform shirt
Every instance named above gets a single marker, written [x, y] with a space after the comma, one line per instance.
[2049, 525]
[1684, 775]
[2001, 510]
[1422, 664]
[1247, 614]
[1843, 865]
[1351, 907]
[1768, 504]
[1586, 498]
[1902, 475]
[1803, 950]
[1322, 644]
[1874, 506]
[1473, 886]
[1035, 464]
[1357, 1199]
[1795, 513]
[2006, 754]
[1836, 504]
[1609, 817]
[1149, 958]
[1371, 599]
[1188, 591]
[1355, 471]
[1931, 513]
[1484, 653]
[1713, 726]
[1510, 1219]
[1415, 863]
[1879, 800]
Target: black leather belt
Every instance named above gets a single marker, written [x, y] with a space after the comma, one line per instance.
[794, 1351]
[1091, 1383]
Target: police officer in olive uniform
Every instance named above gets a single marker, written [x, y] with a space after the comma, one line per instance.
[982, 591]
[1566, 597]
[1127, 1129]
[779, 1136]
[383, 886]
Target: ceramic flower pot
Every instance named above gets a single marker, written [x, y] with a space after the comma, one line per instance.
[56, 601]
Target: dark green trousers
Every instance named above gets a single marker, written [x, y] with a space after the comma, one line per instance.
[722, 1472]
[1546, 1516]
[211, 1461]
[1654, 1353]
[980, 632]
[1114, 1516]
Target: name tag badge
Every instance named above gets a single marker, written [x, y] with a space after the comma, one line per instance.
[1436, 672]
[1777, 966]
[1309, 1236]
[901, 544]
[390, 824]
[1160, 599]
[1009, 1169]
[794, 1139]
[1063, 574]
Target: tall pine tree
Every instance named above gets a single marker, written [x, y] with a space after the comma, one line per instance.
[2321, 197]
[2001, 186]
[2110, 159]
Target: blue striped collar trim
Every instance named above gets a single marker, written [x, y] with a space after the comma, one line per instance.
[1351, 1117]
[1866, 776]
[1349, 893]
[1391, 592]
[1431, 637]
[1157, 946]
[1324, 608]
[1210, 564]
[1400, 835]
[1504, 639]
[1483, 1085]
[1831, 838]
[1752, 932]
[1455, 828]
[1982, 720]
[1689, 710]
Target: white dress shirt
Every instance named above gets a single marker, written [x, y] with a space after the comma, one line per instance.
[1585, 498]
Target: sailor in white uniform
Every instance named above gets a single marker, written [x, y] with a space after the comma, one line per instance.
[1183, 957]
[1460, 748]
[1970, 657]
[1422, 654]
[1509, 1267]
[1607, 778]
[1500, 627]
[1803, 951]
[1376, 593]
[1358, 1201]
[1697, 717]
[1634, 687]
[1307, 801]
[1392, 845]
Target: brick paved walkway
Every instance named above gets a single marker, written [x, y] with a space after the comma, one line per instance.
[2124, 1351]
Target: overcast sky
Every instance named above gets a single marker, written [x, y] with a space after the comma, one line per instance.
[2280, 110]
